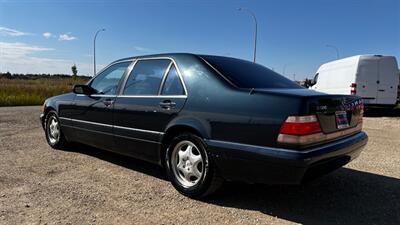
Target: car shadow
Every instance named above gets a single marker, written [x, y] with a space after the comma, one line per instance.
[121, 160]
[346, 196]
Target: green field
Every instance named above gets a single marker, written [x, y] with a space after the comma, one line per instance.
[17, 92]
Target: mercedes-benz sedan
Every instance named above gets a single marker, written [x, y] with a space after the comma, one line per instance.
[207, 119]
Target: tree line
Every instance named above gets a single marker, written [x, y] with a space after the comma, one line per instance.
[29, 76]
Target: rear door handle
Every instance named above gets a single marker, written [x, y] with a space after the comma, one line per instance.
[167, 104]
[108, 102]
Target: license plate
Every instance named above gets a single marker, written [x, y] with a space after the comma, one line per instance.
[341, 120]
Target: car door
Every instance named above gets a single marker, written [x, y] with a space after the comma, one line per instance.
[388, 81]
[92, 115]
[367, 80]
[152, 96]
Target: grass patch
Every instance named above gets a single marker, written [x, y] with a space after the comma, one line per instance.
[17, 92]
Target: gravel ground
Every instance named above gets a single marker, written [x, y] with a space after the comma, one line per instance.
[39, 185]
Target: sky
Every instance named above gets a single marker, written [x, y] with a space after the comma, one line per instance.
[50, 36]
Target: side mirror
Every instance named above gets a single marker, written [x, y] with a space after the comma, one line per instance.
[83, 89]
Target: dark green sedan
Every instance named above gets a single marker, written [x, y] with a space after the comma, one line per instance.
[207, 119]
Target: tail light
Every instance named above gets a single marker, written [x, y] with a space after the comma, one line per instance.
[300, 125]
[300, 130]
[353, 89]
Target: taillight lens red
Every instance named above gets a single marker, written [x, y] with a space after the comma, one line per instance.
[300, 125]
[353, 89]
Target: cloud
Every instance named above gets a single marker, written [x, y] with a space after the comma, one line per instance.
[66, 37]
[20, 58]
[142, 49]
[4, 31]
[47, 35]
[14, 50]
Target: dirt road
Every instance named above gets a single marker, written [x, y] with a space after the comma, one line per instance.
[39, 185]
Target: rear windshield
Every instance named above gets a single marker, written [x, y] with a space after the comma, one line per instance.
[245, 74]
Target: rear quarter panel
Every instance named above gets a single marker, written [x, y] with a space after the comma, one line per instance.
[230, 114]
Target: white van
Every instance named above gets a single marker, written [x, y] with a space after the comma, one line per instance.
[375, 78]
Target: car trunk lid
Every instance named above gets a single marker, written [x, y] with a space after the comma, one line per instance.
[336, 112]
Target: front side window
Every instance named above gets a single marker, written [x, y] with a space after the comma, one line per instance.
[172, 84]
[107, 81]
[146, 76]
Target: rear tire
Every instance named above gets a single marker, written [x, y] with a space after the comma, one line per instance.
[190, 168]
[54, 136]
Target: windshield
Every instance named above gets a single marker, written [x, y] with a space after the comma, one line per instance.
[245, 74]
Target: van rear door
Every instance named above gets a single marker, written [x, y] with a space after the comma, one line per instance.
[388, 81]
[367, 77]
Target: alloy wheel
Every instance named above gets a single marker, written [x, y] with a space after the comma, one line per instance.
[187, 163]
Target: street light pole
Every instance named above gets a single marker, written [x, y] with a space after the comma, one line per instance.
[334, 47]
[255, 33]
[94, 50]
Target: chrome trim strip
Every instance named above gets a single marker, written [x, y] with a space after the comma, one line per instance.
[103, 96]
[135, 96]
[94, 131]
[97, 96]
[140, 130]
[109, 125]
[112, 134]
[151, 96]
[88, 122]
[254, 146]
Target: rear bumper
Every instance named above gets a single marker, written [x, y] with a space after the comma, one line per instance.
[258, 164]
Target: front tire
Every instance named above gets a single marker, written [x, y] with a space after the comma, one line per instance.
[54, 136]
[190, 168]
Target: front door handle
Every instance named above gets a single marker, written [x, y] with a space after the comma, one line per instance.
[108, 102]
[167, 104]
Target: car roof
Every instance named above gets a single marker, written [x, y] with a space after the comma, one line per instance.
[172, 55]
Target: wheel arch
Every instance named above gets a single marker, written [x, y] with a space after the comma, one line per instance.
[45, 112]
[182, 125]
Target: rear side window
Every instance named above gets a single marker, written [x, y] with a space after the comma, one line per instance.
[146, 76]
[172, 84]
[245, 74]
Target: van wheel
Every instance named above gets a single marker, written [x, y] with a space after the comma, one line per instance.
[54, 136]
[190, 168]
